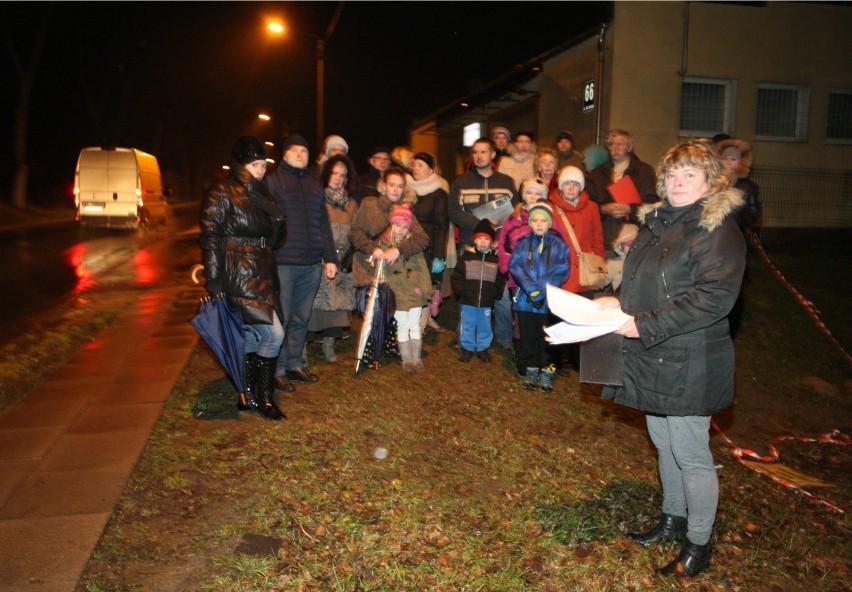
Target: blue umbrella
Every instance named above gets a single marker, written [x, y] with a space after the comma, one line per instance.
[221, 326]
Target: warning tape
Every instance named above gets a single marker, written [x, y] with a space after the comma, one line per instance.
[809, 306]
[832, 437]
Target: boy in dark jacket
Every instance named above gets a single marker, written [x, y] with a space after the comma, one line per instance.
[478, 283]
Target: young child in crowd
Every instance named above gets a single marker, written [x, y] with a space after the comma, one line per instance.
[411, 282]
[539, 258]
[478, 283]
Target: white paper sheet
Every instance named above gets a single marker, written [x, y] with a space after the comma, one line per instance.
[583, 318]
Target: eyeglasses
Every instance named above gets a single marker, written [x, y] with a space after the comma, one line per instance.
[382, 158]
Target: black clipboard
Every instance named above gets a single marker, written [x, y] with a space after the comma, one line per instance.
[601, 360]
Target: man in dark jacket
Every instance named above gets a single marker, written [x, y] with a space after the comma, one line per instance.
[308, 252]
[622, 162]
[479, 186]
[379, 161]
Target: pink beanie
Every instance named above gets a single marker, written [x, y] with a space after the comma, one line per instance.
[401, 215]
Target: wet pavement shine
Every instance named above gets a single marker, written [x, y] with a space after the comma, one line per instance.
[69, 447]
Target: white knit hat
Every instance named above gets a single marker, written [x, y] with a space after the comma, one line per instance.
[333, 141]
[571, 173]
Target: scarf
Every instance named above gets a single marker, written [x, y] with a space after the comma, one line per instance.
[426, 186]
[337, 197]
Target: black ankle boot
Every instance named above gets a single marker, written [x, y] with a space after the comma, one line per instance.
[266, 389]
[669, 528]
[250, 366]
[691, 561]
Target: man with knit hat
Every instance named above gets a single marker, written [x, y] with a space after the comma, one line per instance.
[566, 153]
[478, 283]
[331, 146]
[501, 137]
[479, 186]
[308, 252]
[379, 161]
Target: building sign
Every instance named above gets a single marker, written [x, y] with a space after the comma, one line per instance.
[588, 96]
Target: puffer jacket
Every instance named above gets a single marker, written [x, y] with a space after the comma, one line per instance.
[369, 223]
[536, 262]
[681, 279]
[476, 278]
[240, 227]
[516, 226]
[300, 198]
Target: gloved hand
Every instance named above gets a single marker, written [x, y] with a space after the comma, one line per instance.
[438, 265]
[536, 299]
[214, 286]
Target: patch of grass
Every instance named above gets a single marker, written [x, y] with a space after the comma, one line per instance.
[599, 517]
[486, 487]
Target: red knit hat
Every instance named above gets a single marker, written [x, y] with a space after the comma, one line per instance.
[402, 215]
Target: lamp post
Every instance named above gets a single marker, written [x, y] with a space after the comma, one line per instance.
[278, 28]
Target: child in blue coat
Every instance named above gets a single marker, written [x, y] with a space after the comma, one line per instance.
[539, 258]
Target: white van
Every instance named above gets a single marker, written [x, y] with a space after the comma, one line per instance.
[119, 187]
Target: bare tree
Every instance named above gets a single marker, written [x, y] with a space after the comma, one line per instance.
[25, 74]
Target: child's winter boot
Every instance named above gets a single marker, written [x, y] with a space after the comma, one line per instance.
[546, 379]
[416, 348]
[531, 379]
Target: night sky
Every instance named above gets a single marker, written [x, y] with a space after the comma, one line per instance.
[183, 80]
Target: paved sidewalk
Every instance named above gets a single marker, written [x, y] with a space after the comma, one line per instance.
[68, 448]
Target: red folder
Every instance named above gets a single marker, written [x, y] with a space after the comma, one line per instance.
[624, 191]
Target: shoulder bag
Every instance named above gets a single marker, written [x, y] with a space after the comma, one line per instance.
[592, 267]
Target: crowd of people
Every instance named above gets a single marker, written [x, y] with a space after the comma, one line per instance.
[298, 251]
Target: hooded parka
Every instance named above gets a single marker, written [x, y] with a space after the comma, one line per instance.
[681, 279]
[240, 226]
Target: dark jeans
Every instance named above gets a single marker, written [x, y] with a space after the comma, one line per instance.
[532, 349]
[299, 285]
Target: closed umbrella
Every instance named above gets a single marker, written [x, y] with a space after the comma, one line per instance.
[221, 327]
[374, 323]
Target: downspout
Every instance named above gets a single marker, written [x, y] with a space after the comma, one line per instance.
[599, 71]
[684, 56]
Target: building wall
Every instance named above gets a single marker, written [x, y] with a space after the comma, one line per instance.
[785, 42]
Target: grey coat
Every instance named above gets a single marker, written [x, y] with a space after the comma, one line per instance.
[681, 279]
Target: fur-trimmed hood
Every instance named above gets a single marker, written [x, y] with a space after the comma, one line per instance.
[715, 207]
[745, 149]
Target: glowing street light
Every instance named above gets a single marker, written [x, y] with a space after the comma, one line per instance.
[278, 28]
[263, 116]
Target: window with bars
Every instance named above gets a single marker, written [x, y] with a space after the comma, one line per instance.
[782, 112]
[707, 106]
[839, 126]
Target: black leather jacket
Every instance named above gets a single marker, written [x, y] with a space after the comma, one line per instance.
[240, 226]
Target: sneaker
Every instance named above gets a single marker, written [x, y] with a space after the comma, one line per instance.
[465, 355]
[483, 355]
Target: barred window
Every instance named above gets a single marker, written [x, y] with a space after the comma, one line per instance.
[839, 115]
[782, 112]
[707, 106]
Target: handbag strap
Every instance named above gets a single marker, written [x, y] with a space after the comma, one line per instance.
[570, 229]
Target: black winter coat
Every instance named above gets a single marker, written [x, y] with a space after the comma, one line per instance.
[301, 199]
[240, 226]
[681, 279]
[477, 279]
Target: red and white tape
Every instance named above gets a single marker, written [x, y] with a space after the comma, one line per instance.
[832, 437]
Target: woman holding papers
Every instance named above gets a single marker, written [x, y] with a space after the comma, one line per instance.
[681, 278]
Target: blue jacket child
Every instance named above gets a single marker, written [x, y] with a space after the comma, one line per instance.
[539, 258]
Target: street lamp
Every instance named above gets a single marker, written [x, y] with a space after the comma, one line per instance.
[278, 28]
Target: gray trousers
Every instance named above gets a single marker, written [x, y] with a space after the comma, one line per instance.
[687, 472]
